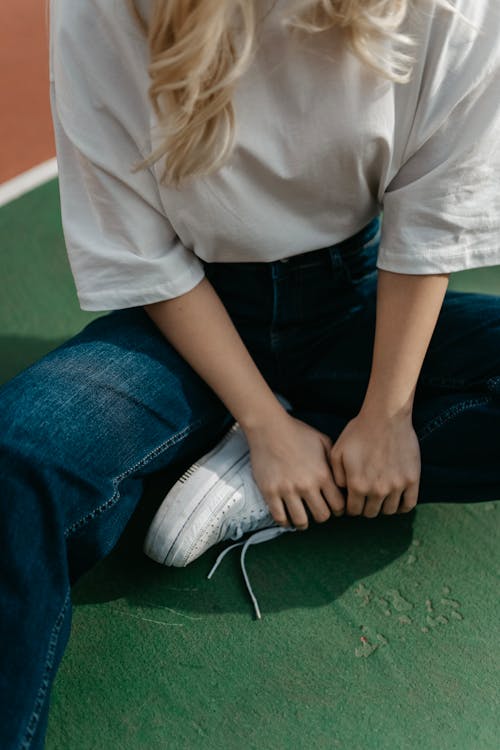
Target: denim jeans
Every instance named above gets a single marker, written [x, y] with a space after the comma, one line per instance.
[81, 429]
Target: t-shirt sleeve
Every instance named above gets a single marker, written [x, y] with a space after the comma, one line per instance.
[122, 249]
[442, 207]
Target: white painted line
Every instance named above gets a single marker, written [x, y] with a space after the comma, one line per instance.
[27, 181]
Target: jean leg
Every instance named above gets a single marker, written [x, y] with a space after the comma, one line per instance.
[457, 403]
[456, 413]
[79, 430]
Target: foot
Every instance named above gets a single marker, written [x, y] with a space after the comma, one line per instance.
[216, 499]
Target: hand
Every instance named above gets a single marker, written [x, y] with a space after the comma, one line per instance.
[378, 459]
[290, 465]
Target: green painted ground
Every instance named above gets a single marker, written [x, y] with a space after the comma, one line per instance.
[376, 634]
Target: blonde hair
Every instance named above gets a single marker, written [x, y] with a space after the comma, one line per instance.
[194, 66]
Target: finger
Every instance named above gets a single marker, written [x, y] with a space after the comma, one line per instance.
[296, 511]
[277, 510]
[326, 440]
[391, 503]
[409, 498]
[338, 470]
[317, 505]
[355, 501]
[373, 505]
[334, 498]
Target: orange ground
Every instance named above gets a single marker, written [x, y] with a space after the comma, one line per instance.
[26, 136]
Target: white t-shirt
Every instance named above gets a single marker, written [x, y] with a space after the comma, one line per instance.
[321, 148]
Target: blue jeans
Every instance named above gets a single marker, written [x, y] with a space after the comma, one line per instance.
[81, 429]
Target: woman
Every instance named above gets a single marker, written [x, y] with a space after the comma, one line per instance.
[222, 179]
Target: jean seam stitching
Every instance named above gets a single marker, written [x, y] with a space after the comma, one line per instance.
[435, 380]
[49, 663]
[173, 439]
[493, 382]
[453, 411]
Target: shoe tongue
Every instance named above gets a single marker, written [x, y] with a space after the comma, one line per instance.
[253, 512]
[254, 521]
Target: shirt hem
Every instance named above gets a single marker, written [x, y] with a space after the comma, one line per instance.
[105, 301]
[415, 264]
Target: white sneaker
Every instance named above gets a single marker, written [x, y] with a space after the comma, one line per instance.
[216, 499]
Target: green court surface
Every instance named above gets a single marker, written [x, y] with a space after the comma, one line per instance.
[376, 634]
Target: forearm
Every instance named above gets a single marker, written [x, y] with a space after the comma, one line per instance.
[199, 328]
[408, 307]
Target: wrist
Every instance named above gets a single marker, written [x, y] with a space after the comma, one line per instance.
[263, 418]
[388, 400]
[386, 409]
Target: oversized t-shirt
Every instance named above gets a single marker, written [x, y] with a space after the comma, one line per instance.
[322, 146]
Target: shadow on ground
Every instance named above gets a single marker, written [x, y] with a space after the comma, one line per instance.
[310, 569]
[303, 569]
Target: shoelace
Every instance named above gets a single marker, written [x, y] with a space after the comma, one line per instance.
[263, 535]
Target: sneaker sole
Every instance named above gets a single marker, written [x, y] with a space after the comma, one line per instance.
[162, 540]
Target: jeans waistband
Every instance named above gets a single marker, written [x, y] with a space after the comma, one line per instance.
[344, 249]
[356, 255]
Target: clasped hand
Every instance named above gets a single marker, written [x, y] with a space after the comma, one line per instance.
[378, 462]
[373, 467]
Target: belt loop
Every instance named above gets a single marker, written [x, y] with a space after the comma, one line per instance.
[335, 256]
[274, 266]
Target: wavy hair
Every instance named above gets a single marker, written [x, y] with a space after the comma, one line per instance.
[194, 65]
